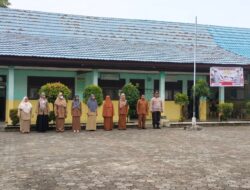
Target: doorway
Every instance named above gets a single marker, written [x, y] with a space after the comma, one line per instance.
[2, 97]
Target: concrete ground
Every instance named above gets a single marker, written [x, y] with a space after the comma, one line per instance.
[170, 158]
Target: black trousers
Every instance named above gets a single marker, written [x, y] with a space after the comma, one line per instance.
[42, 123]
[156, 116]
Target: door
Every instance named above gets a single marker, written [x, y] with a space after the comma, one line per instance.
[2, 97]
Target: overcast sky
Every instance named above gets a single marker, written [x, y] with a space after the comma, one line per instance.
[214, 12]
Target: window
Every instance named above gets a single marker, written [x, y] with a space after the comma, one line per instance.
[171, 88]
[35, 83]
[140, 84]
[234, 93]
[111, 87]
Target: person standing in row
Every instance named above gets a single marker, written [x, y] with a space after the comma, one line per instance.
[142, 111]
[123, 112]
[60, 112]
[25, 114]
[156, 109]
[92, 113]
[108, 113]
[76, 112]
[42, 111]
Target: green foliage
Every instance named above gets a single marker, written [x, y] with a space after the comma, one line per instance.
[226, 110]
[14, 116]
[201, 89]
[248, 107]
[132, 96]
[182, 100]
[52, 90]
[4, 3]
[52, 116]
[93, 89]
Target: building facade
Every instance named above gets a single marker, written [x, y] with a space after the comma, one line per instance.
[37, 48]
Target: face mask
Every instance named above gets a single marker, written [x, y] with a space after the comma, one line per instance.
[61, 97]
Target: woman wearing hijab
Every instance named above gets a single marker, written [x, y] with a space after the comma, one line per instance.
[76, 112]
[25, 114]
[92, 113]
[42, 110]
[123, 112]
[60, 112]
[142, 111]
[108, 113]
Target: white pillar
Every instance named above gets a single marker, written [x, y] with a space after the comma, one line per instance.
[221, 94]
[162, 85]
[95, 77]
[10, 82]
[184, 87]
[162, 89]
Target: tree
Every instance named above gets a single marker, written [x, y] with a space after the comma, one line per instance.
[93, 89]
[4, 3]
[52, 90]
[182, 100]
[132, 96]
[201, 89]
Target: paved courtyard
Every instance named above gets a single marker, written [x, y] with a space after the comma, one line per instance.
[214, 158]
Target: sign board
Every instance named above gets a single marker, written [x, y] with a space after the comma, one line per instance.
[226, 76]
[110, 76]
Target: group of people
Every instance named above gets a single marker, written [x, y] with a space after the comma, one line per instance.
[60, 110]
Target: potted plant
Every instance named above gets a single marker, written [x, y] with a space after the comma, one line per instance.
[225, 111]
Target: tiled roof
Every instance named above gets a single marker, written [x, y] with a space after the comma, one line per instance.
[51, 35]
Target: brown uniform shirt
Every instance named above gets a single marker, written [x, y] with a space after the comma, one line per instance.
[60, 111]
[142, 107]
[76, 112]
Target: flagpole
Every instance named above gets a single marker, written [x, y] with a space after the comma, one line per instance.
[194, 82]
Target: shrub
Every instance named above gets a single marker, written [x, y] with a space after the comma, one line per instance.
[226, 110]
[132, 96]
[182, 100]
[93, 89]
[248, 107]
[52, 116]
[14, 116]
[52, 90]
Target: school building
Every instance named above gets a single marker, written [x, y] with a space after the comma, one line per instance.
[39, 47]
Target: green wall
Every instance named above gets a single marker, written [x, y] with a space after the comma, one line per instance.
[21, 77]
[86, 78]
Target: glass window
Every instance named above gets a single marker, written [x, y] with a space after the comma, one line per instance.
[140, 84]
[111, 87]
[172, 88]
[35, 83]
[234, 93]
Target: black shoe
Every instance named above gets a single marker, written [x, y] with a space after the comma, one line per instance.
[158, 127]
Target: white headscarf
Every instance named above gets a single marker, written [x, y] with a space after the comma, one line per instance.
[25, 106]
